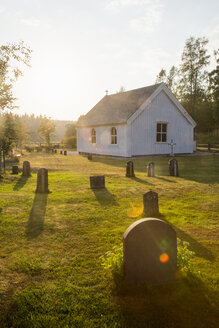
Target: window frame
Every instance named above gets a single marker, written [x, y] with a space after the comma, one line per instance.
[162, 132]
[93, 136]
[114, 136]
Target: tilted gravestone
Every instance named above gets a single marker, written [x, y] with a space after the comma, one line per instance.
[173, 167]
[42, 181]
[14, 169]
[97, 181]
[89, 156]
[150, 252]
[151, 169]
[26, 169]
[65, 152]
[130, 169]
[150, 203]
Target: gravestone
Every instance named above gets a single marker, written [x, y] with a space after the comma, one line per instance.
[55, 151]
[150, 252]
[89, 156]
[151, 169]
[97, 181]
[52, 150]
[26, 169]
[14, 169]
[42, 181]
[61, 152]
[150, 203]
[130, 169]
[173, 167]
[65, 152]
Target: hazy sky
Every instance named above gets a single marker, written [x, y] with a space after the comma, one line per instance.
[83, 47]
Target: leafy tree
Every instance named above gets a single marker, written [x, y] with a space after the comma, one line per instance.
[162, 76]
[10, 55]
[70, 130]
[46, 129]
[214, 88]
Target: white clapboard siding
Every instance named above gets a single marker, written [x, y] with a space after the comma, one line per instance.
[142, 131]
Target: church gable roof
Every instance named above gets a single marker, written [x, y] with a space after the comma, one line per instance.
[117, 108]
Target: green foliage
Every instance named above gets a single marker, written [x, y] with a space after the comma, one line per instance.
[184, 255]
[70, 130]
[113, 261]
[46, 129]
[71, 142]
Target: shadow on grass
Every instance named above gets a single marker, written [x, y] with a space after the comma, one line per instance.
[20, 183]
[164, 179]
[104, 197]
[184, 303]
[36, 219]
[142, 181]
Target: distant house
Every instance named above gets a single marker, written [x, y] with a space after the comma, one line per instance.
[137, 122]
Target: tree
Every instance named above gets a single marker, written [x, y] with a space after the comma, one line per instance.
[10, 55]
[46, 129]
[161, 77]
[214, 88]
[70, 130]
[193, 77]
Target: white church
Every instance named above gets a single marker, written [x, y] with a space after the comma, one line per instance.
[138, 122]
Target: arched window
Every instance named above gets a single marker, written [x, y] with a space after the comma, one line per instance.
[93, 136]
[113, 136]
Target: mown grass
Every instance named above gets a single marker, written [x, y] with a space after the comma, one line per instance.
[51, 273]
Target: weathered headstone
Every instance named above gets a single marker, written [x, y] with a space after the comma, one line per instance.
[42, 181]
[65, 152]
[173, 167]
[89, 156]
[150, 203]
[150, 252]
[55, 151]
[26, 169]
[97, 181]
[151, 169]
[130, 169]
[14, 169]
[52, 150]
[61, 152]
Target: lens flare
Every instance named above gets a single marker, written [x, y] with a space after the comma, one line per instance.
[135, 211]
[164, 258]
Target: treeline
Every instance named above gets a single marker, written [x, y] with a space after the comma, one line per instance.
[195, 87]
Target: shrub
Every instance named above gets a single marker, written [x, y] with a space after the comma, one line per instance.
[184, 255]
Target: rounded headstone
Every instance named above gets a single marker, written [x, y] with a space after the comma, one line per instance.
[26, 169]
[130, 169]
[61, 152]
[89, 156]
[65, 152]
[150, 252]
[150, 203]
[173, 167]
[151, 169]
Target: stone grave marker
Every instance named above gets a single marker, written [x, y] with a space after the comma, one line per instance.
[55, 151]
[14, 169]
[97, 181]
[150, 252]
[150, 203]
[89, 156]
[151, 169]
[61, 152]
[130, 169]
[173, 167]
[26, 169]
[65, 152]
[42, 181]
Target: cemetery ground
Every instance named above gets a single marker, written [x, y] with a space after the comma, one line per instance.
[51, 272]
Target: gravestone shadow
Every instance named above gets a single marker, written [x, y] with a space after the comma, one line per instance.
[141, 181]
[21, 182]
[164, 179]
[35, 223]
[104, 197]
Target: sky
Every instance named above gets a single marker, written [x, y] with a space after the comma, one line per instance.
[83, 47]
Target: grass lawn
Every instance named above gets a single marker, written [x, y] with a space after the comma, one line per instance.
[50, 244]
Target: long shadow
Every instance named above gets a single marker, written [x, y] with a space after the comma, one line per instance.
[35, 223]
[142, 181]
[20, 183]
[104, 197]
[194, 245]
[185, 303]
[164, 179]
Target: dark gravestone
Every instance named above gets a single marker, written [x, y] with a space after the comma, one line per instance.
[55, 151]
[52, 150]
[14, 169]
[150, 252]
[151, 169]
[97, 181]
[150, 203]
[42, 181]
[130, 169]
[65, 152]
[26, 169]
[173, 167]
[61, 152]
[89, 156]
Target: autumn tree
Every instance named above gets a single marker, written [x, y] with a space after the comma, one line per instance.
[46, 129]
